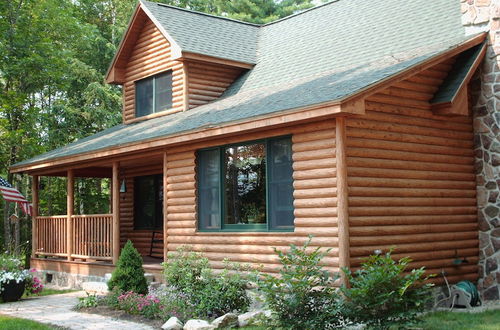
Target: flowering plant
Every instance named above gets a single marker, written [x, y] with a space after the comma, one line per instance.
[33, 284]
[11, 269]
[135, 303]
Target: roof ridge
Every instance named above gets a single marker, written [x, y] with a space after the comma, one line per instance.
[203, 14]
[240, 21]
[300, 12]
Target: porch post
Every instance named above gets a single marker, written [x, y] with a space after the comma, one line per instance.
[342, 196]
[70, 210]
[116, 212]
[34, 215]
[165, 221]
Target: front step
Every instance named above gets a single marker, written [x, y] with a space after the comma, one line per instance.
[100, 288]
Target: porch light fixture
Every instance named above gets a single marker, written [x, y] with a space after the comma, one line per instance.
[123, 187]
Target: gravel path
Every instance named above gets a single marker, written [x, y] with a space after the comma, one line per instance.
[57, 310]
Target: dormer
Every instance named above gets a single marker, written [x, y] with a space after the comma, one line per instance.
[172, 59]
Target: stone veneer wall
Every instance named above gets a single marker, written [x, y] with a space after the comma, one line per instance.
[477, 16]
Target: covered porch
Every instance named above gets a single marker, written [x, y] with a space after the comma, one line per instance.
[91, 243]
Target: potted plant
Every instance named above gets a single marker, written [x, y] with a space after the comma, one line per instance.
[13, 278]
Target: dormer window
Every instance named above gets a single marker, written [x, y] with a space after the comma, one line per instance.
[153, 94]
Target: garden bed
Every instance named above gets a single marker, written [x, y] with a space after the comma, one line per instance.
[122, 315]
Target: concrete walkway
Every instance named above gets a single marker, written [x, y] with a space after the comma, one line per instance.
[57, 310]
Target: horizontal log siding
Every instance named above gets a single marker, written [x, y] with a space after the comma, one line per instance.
[151, 55]
[140, 238]
[314, 194]
[411, 179]
[207, 81]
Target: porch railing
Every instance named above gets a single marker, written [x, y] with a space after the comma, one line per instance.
[51, 235]
[92, 236]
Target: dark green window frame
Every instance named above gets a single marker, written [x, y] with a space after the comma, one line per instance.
[156, 223]
[153, 90]
[269, 226]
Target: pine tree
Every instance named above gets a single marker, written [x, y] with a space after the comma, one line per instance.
[129, 274]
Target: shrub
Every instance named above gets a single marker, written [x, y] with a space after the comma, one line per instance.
[302, 296]
[208, 295]
[382, 294]
[184, 270]
[129, 274]
[221, 293]
[173, 303]
[90, 300]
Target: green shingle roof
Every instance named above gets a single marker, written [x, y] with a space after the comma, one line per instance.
[324, 54]
[206, 34]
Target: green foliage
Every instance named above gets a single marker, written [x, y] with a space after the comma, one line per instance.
[488, 320]
[383, 293]
[129, 274]
[184, 270]
[207, 294]
[14, 323]
[90, 300]
[302, 296]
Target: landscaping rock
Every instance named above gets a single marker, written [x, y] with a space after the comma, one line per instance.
[173, 323]
[198, 325]
[229, 320]
[249, 318]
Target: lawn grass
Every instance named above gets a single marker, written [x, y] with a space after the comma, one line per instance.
[489, 320]
[14, 323]
[48, 292]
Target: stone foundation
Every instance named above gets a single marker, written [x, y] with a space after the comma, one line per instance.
[66, 280]
[478, 16]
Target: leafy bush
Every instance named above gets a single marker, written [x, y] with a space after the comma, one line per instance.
[129, 274]
[90, 300]
[209, 295]
[302, 296]
[382, 294]
[184, 270]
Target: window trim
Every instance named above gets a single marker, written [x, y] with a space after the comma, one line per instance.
[222, 202]
[153, 77]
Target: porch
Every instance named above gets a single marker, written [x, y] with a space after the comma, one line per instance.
[91, 243]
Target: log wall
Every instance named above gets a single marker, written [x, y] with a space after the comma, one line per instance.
[151, 55]
[314, 199]
[207, 81]
[411, 179]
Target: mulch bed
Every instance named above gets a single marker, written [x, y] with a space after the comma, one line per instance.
[118, 314]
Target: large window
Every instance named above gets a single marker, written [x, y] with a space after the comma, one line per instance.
[246, 186]
[153, 94]
[148, 202]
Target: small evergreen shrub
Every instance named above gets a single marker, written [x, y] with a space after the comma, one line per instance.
[129, 274]
[302, 296]
[208, 295]
[383, 294]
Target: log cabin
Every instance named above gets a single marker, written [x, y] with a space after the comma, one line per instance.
[350, 121]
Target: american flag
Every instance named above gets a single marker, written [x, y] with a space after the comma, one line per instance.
[11, 194]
